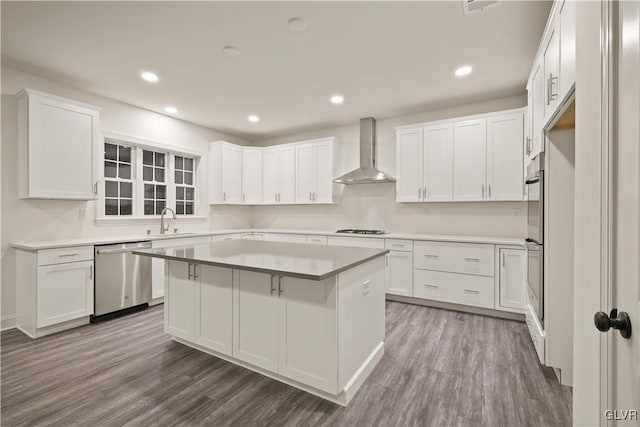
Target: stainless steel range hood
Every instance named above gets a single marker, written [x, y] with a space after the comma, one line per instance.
[367, 173]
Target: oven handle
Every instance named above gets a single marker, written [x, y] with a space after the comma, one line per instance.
[532, 181]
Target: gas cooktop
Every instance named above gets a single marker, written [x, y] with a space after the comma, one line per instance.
[357, 231]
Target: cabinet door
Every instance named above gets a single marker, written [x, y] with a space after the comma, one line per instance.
[255, 326]
[287, 177]
[470, 153]
[252, 176]
[65, 292]
[538, 97]
[324, 173]
[409, 165]
[399, 273]
[512, 279]
[231, 174]
[158, 265]
[270, 175]
[505, 148]
[567, 46]
[552, 71]
[182, 309]
[62, 137]
[305, 173]
[216, 308]
[308, 332]
[438, 162]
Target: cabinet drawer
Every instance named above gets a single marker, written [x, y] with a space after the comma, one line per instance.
[454, 288]
[399, 245]
[360, 242]
[317, 240]
[63, 255]
[464, 258]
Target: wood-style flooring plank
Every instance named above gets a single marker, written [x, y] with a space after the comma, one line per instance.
[440, 368]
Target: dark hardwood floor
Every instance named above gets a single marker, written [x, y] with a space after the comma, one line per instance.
[440, 368]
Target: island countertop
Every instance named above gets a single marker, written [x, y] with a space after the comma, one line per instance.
[313, 262]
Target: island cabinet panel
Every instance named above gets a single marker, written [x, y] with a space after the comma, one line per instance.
[182, 311]
[255, 325]
[308, 332]
[216, 308]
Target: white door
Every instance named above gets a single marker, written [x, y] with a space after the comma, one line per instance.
[438, 162]
[255, 326]
[324, 173]
[216, 308]
[308, 332]
[538, 97]
[182, 308]
[606, 365]
[409, 164]
[305, 173]
[470, 165]
[270, 175]
[65, 292]
[552, 70]
[251, 176]
[231, 174]
[505, 146]
[399, 273]
[287, 177]
[512, 278]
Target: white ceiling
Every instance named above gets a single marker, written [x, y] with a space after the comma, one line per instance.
[386, 58]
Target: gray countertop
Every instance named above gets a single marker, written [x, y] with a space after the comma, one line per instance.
[313, 262]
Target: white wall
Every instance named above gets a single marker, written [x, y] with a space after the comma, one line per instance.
[25, 220]
[374, 205]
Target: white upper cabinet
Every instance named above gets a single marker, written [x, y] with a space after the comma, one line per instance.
[409, 165]
[438, 163]
[504, 157]
[315, 164]
[252, 175]
[567, 47]
[270, 175]
[225, 173]
[537, 106]
[58, 138]
[287, 174]
[470, 164]
[552, 69]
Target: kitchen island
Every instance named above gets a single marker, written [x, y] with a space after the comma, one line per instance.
[310, 316]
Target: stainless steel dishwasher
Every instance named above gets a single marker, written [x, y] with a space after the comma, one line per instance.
[122, 279]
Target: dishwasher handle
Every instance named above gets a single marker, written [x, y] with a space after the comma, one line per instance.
[122, 250]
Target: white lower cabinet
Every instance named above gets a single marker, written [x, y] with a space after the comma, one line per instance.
[511, 279]
[288, 238]
[216, 308]
[399, 273]
[467, 289]
[182, 291]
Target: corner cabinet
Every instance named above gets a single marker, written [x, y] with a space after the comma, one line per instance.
[57, 139]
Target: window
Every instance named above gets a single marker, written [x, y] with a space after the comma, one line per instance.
[140, 181]
[153, 175]
[118, 194]
[185, 189]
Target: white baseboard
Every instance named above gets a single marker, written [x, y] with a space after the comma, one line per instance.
[7, 322]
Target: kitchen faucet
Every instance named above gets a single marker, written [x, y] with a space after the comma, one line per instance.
[162, 227]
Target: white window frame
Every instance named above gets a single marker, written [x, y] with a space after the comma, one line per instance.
[138, 144]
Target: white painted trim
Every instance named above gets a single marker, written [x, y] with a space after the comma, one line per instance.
[457, 307]
[8, 322]
[463, 118]
[27, 91]
[150, 144]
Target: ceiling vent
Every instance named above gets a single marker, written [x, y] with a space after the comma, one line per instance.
[473, 6]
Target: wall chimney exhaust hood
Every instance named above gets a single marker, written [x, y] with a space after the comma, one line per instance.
[367, 172]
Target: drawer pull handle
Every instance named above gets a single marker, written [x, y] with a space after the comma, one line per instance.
[472, 259]
[471, 291]
[398, 244]
[67, 255]
[431, 286]
[431, 256]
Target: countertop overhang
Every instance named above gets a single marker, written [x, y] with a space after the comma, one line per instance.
[303, 261]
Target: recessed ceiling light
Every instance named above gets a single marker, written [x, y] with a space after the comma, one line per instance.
[337, 99]
[465, 70]
[231, 50]
[297, 24]
[170, 109]
[253, 118]
[149, 76]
